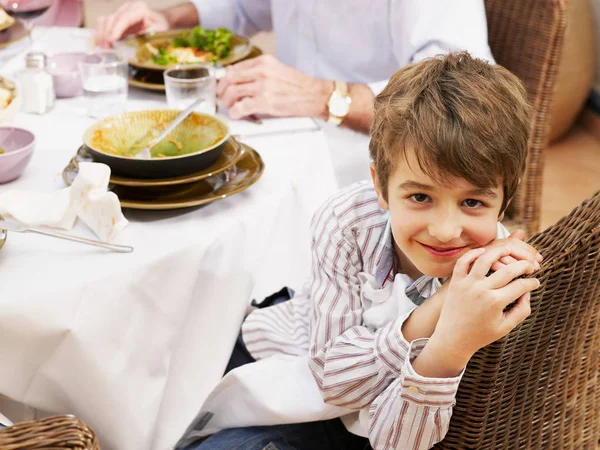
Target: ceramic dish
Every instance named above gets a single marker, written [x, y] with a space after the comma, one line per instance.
[153, 80]
[240, 48]
[232, 152]
[16, 148]
[12, 34]
[65, 72]
[238, 178]
[193, 145]
[6, 20]
[8, 93]
[3, 235]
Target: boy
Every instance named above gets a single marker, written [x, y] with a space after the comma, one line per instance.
[400, 298]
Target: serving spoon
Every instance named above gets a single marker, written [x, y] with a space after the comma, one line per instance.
[144, 153]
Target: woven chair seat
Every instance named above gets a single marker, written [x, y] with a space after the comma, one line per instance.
[52, 433]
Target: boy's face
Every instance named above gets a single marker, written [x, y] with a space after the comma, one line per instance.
[434, 224]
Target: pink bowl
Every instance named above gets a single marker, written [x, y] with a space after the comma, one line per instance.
[65, 73]
[18, 145]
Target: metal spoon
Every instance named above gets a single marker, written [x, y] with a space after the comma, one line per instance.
[144, 153]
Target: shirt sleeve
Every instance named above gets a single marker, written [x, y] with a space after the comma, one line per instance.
[245, 17]
[356, 367]
[413, 412]
[427, 28]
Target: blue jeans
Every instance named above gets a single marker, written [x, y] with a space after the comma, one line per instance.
[322, 435]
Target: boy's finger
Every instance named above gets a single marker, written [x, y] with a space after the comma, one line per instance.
[518, 234]
[508, 273]
[463, 265]
[518, 249]
[508, 259]
[484, 263]
[497, 266]
[514, 290]
[517, 314]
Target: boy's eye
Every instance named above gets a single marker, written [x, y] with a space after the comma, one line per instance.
[419, 198]
[472, 203]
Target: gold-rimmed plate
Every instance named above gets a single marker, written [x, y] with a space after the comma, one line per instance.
[144, 85]
[7, 21]
[12, 34]
[232, 152]
[240, 48]
[238, 178]
[152, 79]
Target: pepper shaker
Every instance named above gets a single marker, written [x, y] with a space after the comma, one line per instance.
[37, 85]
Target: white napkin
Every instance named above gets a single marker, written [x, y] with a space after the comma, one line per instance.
[268, 126]
[87, 198]
[383, 304]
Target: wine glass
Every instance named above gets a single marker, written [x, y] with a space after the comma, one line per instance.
[27, 11]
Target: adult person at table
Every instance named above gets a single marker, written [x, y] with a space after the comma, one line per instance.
[333, 56]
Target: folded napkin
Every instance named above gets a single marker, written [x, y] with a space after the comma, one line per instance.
[268, 126]
[87, 198]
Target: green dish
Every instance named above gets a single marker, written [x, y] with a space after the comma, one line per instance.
[193, 145]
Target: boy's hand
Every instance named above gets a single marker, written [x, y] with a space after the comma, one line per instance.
[473, 313]
[519, 250]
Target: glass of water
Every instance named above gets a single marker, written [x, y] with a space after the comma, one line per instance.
[185, 84]
[104, 80]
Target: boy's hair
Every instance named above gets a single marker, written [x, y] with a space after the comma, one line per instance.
[462, 116]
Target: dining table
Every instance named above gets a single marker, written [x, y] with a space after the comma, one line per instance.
[133, 343]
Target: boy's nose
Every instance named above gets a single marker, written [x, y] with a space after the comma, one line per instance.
[445, 229]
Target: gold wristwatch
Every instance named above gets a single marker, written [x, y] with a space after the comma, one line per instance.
[339, 103]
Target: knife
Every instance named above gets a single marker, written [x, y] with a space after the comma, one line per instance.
[20, 228]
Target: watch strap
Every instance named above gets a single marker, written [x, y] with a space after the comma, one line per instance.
[339, 88]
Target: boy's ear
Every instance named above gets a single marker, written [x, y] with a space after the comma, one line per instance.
[501, 216]
[383, 204]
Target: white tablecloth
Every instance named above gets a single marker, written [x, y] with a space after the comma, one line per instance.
[133, 343]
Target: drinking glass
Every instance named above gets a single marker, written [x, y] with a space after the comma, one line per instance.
[104, 82]
[184, 84]
[26, 11]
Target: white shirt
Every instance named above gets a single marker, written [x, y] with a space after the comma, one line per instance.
[357, 41]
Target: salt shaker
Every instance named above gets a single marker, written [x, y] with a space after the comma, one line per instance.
[37, 85]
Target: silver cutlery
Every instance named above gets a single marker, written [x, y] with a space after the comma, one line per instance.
[20, 228]
[144, 153]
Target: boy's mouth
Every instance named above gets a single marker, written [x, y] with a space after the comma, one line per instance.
[445, 252]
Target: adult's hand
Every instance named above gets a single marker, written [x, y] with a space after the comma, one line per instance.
[130, 18]
[266, 86]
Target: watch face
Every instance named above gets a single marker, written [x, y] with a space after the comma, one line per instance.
[338, 105]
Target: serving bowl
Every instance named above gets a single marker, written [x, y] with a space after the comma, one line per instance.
[193, 145]
[16, 148]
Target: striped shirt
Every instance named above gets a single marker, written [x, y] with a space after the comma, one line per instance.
[357, 367]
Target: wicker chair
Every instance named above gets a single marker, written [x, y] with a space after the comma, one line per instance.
[526, 37]
[52, 433]
[538, 388]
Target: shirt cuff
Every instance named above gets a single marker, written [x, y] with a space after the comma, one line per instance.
[434, 392]
[377, 86]
[390, 346]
